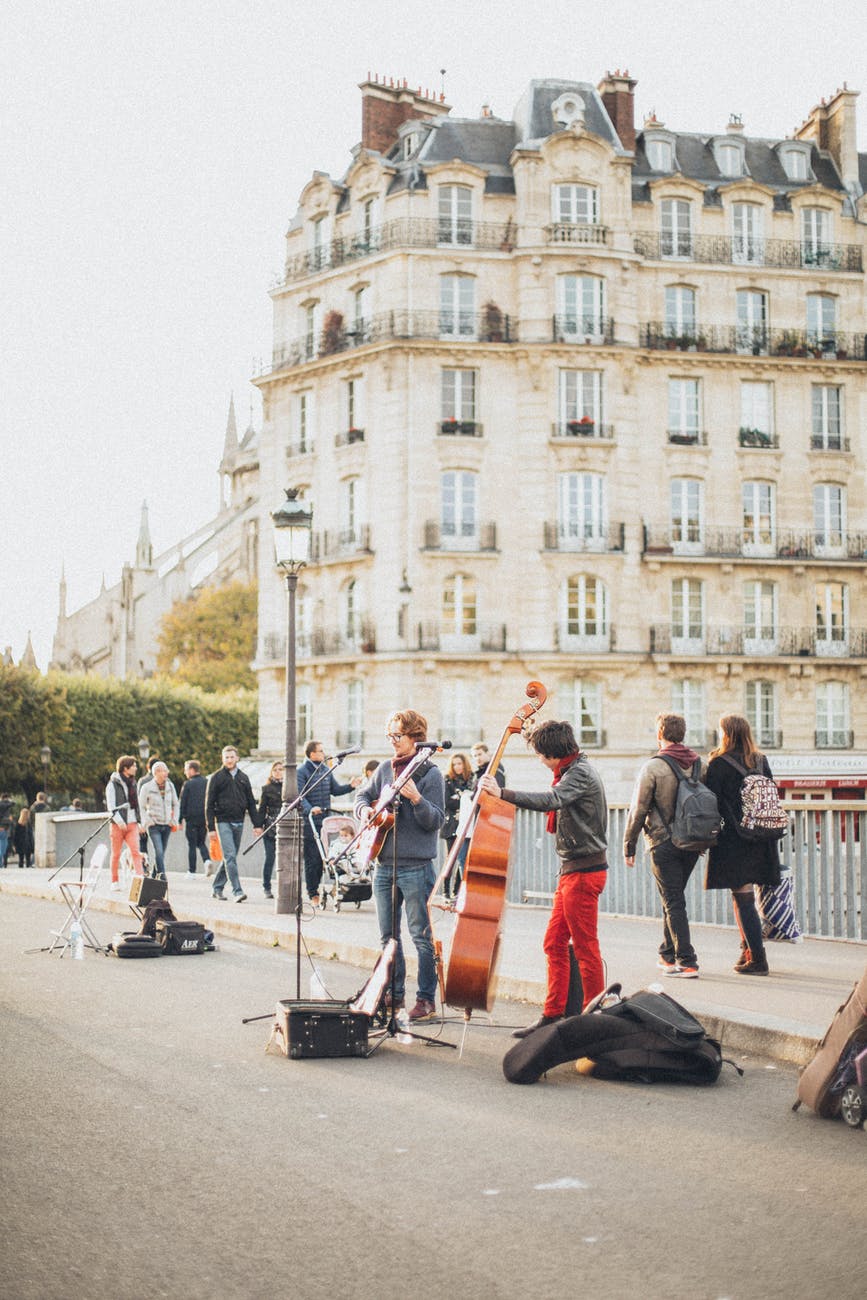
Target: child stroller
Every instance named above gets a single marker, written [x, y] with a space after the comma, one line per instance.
[344, 878]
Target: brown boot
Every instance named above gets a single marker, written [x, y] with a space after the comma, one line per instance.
[757, 965]
[744, 959]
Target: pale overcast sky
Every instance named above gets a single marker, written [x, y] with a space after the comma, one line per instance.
[152, 155]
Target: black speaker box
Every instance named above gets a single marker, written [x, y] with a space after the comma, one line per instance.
[144, 889]
[329, 1028]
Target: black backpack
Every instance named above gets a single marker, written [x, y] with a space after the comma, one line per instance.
[697, 822]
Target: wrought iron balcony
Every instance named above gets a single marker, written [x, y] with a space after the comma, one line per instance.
[834, 739]
[571, 637]
[438, 538]
[757, 641]
[752, 340]
[687, 437]
[402, 232]
[758, 438]
[340, 543]
[576, 232]
[583, 428]
[731, 543]
[347, 436]
[828, 442]
[768, 738]
[299, 447]
[333, 642]
[592, 738]
[460, 428]
[574, 328]
[575, 537]
[441, 637]
[731, 250]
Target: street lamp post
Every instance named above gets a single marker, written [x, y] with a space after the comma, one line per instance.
[45, 760]
[292, 524]
[144, 749]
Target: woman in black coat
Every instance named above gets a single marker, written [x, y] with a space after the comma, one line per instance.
[270, 804]
[22, 838]
[735, 863]
[458, 778]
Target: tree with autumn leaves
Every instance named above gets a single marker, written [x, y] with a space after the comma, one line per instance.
[209, 639]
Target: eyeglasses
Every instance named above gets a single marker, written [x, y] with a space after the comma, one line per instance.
[394, 736]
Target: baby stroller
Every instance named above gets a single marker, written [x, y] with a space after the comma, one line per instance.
[345, 879]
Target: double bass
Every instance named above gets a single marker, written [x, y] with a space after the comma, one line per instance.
[470, 977]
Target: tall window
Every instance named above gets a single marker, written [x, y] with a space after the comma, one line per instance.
[815, 236]
[458, 395]
[759, 518]
[687, 699]
[581, 307]
[457, 306]
[748, 244]
[460, 710]
[302, 441]
[829, 518]
[459, 523]
[576, 204]
[687, 615]
[368, 221]
[455, 212]
[355, 403]
[351, 619]
[761, 711]
[585, 613]
[354, 714]
[311, 329]
[303, 619]
[303, 713]
[580, 395]
[588, 712]
[827, 417]
[822, 320]
[361, 314]
[832, 618]
[686, 497]
[582, 511]
[683, 409]
[679, 311]
[676, 228]
[757, 409]
[459, 606]
[760, 617]
[321, 242]
[752, 320]
[832, 716]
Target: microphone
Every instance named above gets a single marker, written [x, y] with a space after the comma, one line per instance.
[433, 744]
[344, 753]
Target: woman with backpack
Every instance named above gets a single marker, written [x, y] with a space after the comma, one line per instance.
[741, 858]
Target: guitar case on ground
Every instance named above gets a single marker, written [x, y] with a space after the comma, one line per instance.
[647, 1037]
[126, 944]
[832, 1069]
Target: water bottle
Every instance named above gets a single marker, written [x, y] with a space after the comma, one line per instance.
[76, 940]
[317, 988]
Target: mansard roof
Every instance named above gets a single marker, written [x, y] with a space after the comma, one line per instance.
[694, 158]
[534, 119]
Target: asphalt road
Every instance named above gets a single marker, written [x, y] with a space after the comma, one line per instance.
[153, 1148]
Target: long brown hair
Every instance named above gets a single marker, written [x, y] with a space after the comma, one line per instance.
[736, 736]
[450, 770]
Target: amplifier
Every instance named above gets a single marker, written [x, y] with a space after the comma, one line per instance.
[143, 889]
[309, 1029]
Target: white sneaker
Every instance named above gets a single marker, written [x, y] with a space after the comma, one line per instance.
[209, 869]
[115, 886]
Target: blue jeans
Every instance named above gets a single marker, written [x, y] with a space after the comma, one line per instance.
[159, 838]
[414, 885]
[230, 839]
[269, 839]
[4, 845]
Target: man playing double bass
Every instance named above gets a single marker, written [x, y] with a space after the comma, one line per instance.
[420, 814]
[578, 815]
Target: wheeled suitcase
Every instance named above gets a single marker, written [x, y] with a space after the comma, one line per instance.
[327, 1028]
[126, 944]
[824, 1080]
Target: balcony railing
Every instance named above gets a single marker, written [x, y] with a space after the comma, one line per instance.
[402, 232]
[438, 538]
[687, 437]
[736, 542]
[460, 428]
[598, 330]
[299, 447]
[583, 428]
[568, 537]
[828, 442]
[731, 250]
[571, 638]
[439, 637]
[340, 543]
[756, 642]
[753, 340]
[834, 739]
[347, 436]
[758, 438]
[335, 641]
[576, 232]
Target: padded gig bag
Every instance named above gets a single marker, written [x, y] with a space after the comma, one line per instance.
[125, 944]
[180, 938]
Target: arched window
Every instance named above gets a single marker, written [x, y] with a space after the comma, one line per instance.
[455, 214]
[676, 228]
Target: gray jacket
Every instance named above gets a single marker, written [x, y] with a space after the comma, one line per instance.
[652, 806]
[579, 800]
[417, 824]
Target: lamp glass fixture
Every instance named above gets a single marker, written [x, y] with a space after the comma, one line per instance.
[292, 524]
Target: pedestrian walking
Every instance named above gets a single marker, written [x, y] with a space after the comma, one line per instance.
[121, 800]
[270, 803]
[22, 837]
[191, 814]
[229, 798]
[158, 802]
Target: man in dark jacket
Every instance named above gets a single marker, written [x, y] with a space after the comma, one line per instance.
[229, 796]
[578, 815]
[7, 807]
[652, 811]
[319, 784]
[192, 815]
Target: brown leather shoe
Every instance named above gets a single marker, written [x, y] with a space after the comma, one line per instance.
[423, 1010]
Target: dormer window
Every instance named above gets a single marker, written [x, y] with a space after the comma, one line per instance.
[659, 155]
[410, 144]
[729, 158]
[795, 158]
[568, 110]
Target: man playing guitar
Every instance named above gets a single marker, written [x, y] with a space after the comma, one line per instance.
[419, 814]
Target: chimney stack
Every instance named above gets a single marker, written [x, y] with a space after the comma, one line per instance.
[384, 107]
[832, 126]
[618, 95]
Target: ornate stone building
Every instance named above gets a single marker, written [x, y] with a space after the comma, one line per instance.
[580, 402]
[115, 635]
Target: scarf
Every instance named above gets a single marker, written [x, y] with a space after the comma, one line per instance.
[561, 767]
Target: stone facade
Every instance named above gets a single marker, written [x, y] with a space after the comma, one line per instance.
[115, 635]
[576, 402]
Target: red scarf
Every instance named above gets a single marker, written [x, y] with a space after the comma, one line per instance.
[558, 773]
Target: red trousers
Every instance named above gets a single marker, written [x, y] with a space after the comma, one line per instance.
[121, 835]
[574, 916]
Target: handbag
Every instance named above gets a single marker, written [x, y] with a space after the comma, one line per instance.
[215, 848]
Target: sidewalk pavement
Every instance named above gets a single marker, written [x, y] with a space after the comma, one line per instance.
[783, 1016]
